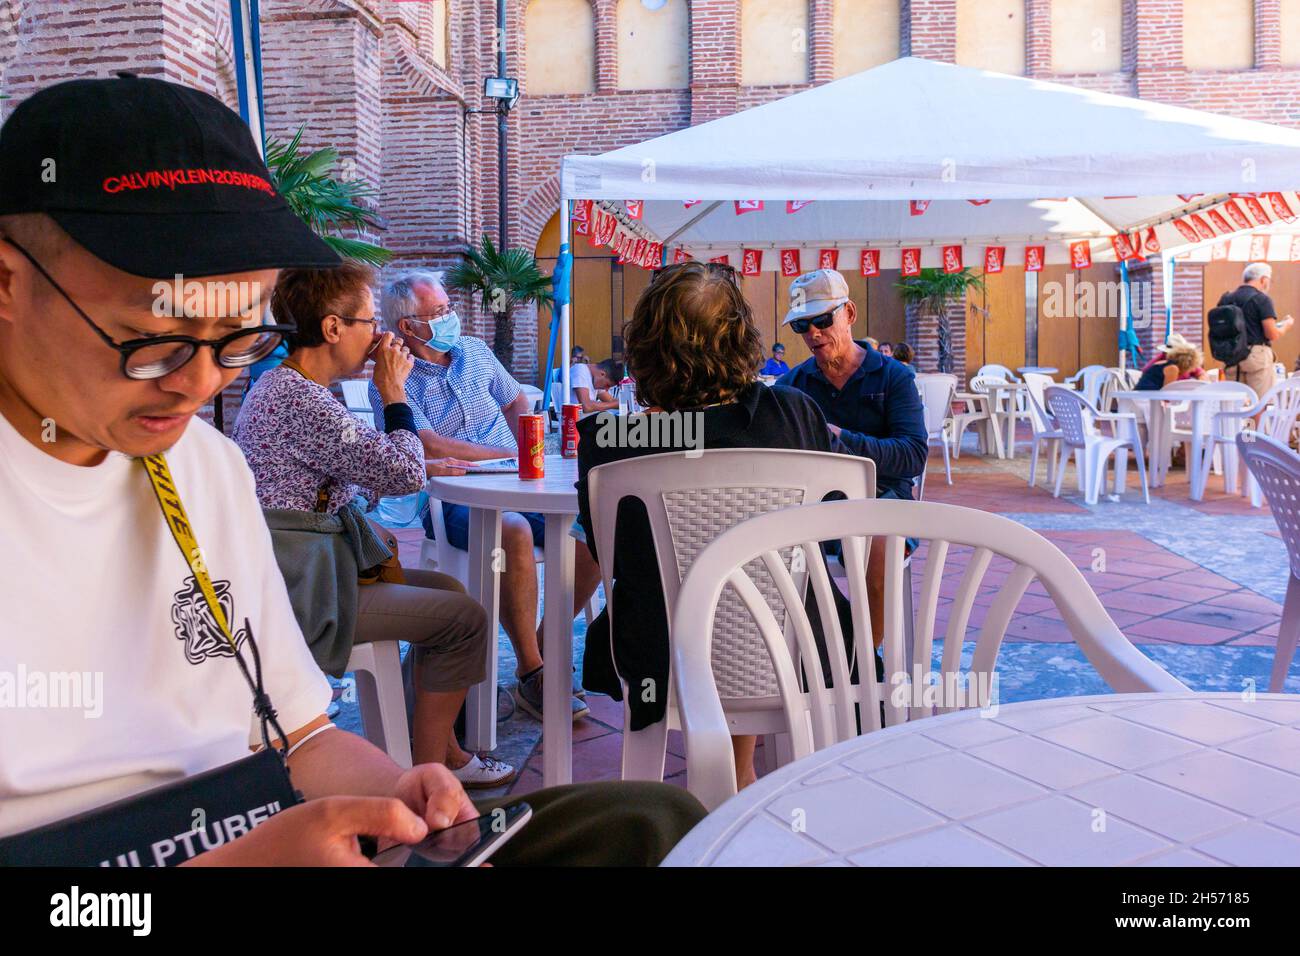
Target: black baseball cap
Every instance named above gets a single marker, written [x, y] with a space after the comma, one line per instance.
[154, 178]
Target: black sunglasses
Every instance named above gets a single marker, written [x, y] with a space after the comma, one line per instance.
[823, 321]
[159, 355]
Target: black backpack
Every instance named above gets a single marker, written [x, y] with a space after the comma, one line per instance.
[1228, 341]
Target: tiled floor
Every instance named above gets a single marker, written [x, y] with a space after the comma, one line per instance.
[1197, 585]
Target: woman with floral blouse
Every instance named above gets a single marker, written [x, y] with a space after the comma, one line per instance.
[314, 462]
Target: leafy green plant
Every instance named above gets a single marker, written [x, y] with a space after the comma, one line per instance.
[327, 204]
[930, 292]
[502, 279]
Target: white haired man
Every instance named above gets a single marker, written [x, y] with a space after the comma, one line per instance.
[1263, 328]
[467, 405]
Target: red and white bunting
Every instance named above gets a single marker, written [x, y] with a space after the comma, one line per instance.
[638, 251]
[828, 258]
[979, 202]
[634, 207]
[1256, 210]
[1188, 197]
[748, 205]
[790, 262]
[952, 259]
[1151, 244]
[917, 207]
[1235, 214]
[911, 262]
[1221, 225]
[722, 260]
[654, 255]
[581, 227]
[582, 210]
[681, 255]
[1280, 207]
[1295, 249]
[1123, 248]
[994, 259]
[1034, 258]
[688, 203]
[794, 205]
[751, 262]
[869, 263]
[1081, 254]
[1202, 227]
[1258, 248]
[1186, 230]
[1219, 251]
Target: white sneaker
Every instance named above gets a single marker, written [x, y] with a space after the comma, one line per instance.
[483, 772]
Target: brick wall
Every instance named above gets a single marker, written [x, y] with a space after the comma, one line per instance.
[357, 75]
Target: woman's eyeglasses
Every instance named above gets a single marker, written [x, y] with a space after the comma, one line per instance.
[373, 323]
[157, 356]
[823, 321]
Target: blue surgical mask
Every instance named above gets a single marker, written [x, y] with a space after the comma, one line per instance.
[444, 332]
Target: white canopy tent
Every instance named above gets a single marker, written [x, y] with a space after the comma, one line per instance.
[994, 160]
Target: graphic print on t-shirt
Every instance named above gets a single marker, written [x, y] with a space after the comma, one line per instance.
[196, 626]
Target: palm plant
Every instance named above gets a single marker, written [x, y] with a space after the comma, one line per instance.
[325, 203]
[930, 292]
[502, 279]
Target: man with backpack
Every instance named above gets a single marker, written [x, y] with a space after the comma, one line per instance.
[1243, 327]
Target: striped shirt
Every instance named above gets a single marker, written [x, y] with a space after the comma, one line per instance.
[461, 401]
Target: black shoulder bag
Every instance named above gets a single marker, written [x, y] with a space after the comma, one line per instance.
[171, 824]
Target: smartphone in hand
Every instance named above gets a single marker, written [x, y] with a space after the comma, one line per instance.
[469, 843]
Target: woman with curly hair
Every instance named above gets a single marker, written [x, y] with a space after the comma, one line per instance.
[692, 346]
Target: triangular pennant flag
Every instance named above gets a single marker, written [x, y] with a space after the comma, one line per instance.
[751, 262]
[748, 205]
[794, 205]
[828, 259]
[1256, 210]
[952, 259]
[911, 262]
[994, 257]
[1258, 248]
[790, 262]
[1236, 215]
[979, 202]
[1186, 230]
[634, 207]
[681, 255]
[1220, 224]
[1034, 258]
[1151, 244]
[869, 262]
[722, 260]
[1280, 207]
[688, 203]
[1081, 254]
[917, 207]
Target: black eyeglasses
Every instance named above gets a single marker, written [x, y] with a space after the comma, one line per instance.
[159, 355]
[373, 323]
[823, 321]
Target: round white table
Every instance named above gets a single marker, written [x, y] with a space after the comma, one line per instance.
[1038, 369]
[554, 496]
[1114, 780]
[1203, 402]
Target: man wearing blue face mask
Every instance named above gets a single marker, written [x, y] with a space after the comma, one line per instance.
[467, 405]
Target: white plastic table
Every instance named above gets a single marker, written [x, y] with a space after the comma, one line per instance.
[554, 496]
[1039, 369]
[1003, 399]
[1204, 402]
[1114, 780]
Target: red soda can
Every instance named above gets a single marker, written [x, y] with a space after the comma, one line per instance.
[569, 431]
[532, 447]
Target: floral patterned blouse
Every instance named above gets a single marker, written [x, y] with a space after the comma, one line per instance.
[297, 437]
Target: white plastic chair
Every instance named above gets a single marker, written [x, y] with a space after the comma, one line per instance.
[1277, 469]
[816, 716]
[356, 395]
[1045, 430]
[1277, 413]
[1077, 420]
[997, 371]
[937, 391]
[439, 553]
[1089, 382]
[979, 409]
[689, 502]
[381, 696]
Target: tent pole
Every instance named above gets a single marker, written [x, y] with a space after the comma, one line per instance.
[1168, 273]
[565, 347]
[1127, 303]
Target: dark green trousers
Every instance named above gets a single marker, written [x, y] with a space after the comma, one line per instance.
[618, 823]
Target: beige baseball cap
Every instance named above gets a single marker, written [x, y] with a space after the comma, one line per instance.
[816, 293]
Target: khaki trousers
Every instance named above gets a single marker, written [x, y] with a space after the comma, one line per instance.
[1256, 370]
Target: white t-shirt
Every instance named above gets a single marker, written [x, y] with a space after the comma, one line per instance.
[102, 616]
[580, 377]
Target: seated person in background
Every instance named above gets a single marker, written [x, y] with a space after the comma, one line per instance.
[589, 385]
[578, 355]
[311, 458]
[1177, 359]
[692, 345]
[903, 353]
[776, 364]
[886, 350]
[465, 404]
[870, 402]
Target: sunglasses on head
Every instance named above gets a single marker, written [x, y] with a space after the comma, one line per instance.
[823, 321]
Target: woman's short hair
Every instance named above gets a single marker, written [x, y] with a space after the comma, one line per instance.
[692, 339]
[903, 352]
[1186, 359]
[303, 297]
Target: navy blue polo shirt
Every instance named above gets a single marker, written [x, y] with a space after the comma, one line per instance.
[879, 413]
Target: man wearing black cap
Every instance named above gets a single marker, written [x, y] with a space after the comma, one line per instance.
[139, 238]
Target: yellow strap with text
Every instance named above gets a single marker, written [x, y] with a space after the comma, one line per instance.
[178, 523]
